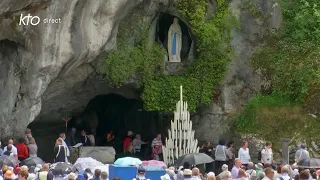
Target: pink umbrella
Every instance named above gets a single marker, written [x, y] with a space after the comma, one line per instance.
[154, 163]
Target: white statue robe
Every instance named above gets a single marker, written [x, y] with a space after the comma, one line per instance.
[174, 42]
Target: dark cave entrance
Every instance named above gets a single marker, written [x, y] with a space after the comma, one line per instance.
[117, 113]
[164, 23]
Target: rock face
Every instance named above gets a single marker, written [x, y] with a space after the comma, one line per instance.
[49, 71]
[241, 80]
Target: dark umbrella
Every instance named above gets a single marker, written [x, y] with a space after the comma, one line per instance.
[194, 159]
[32, 161]
[8, 161]
[61, 168]
[313, 163]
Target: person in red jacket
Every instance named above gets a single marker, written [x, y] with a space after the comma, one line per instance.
[127, 143]
[23, 152]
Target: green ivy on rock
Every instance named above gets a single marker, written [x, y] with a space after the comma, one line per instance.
[137, 62]
[145, 65]
[290, 59]
[213, 36]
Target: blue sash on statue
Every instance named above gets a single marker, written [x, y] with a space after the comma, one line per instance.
[174, 44]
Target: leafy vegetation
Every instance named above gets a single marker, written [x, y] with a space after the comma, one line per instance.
[290, 59]
[145, 65]
[213, 49]
[137, 62]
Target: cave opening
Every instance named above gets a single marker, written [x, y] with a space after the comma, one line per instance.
[119, 114]
[164, 23]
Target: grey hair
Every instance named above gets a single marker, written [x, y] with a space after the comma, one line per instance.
[250, 165]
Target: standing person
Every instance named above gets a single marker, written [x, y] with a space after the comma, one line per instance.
[14, 149]
[302, 154]
[97, 174]
[60, 151]
[266, 154]
[236, 168]
[221, 156]
[33, 148]
[269, 174]
[195, 174]
[251, 172]
[23, 152]
[127, 143]
[284, 174]
[207, 149]
[141, 175]
[156, 147]
[84, 138]
[71, 141]
[104, 175]
[110, 139]
[62, 136]
[8, 151]
[42, 175]
[242, 175]
[92, 138]
[230, 154]
[23, 175]
[137, 146]
[244, 155]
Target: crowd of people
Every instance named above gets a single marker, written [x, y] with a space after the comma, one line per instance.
[25, 148]
[226, 154]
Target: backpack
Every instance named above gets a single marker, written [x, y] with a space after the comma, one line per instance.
[260, 155]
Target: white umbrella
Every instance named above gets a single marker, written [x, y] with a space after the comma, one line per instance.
[83, 163]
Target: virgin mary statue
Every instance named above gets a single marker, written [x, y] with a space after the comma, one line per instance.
[174, 41]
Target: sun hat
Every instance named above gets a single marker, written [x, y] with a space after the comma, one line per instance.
[187, 172]
[39, 166]
[9, 175]
[36, 170]
[165, 177]
[224, 167]
[130, 133]
[210, 174]
[259, 166]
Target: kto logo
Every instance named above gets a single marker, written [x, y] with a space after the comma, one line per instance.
[25, 20]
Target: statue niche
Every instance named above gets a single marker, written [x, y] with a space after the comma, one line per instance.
[174, 41]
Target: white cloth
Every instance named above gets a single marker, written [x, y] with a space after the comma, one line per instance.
[66, 146]
[267, 156]
[14, 150]
[244, 155]
[67, 149]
